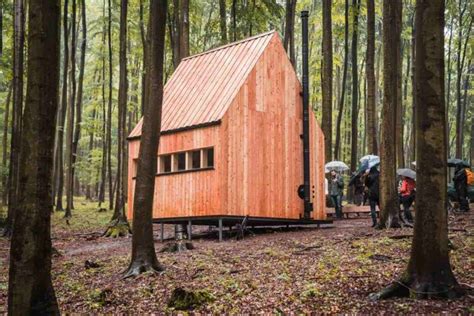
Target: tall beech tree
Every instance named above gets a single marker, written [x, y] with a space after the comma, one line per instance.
[6, 120]
[389, 205]
[289, 38]
[143, 249]
[30, 289]
[326, 82]
[429, 273]
[223, 21]
[337, 146]
[18, 59]
[355, 85]
[371, 127]
[119, 225]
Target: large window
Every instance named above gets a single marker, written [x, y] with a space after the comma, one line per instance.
[193, 160]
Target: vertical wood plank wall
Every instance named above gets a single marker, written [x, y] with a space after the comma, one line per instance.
[258, 153]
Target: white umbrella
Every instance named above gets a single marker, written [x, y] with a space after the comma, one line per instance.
[405, 172]
[370, 161]
[338, 166]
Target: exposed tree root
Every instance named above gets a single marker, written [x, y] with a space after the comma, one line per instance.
[178, 246]
[418, 290]
[139, 267]
[118, 228]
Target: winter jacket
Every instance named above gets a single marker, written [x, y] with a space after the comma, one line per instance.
[372, 183]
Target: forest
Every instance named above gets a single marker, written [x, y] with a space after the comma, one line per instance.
[79, 78]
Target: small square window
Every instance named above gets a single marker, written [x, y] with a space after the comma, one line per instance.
[180, 161]
[165, 164]
[208, 157]
[196, 159]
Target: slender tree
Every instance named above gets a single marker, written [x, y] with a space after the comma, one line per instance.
[355, 88]
[388, 190]
[119, 225]
[18, 58]
[223, 21]
[337, 146]
[59, 158]
[143, 249]
[429, 273]
[109, 108]
[183, 29]
[326, 82]
[30, 289]
[6, 120]
[71, 113]
[289, 39]
[370, 75]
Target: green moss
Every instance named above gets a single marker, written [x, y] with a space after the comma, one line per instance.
[185, 300]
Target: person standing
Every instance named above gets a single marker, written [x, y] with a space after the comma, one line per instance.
[407, 196]
[372, 184]
[460, 184]
[336, 185]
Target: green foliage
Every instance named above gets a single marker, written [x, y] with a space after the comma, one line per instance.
[182, 299]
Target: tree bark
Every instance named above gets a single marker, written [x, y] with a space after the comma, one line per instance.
[6, 121]
[223, 21]
[289, 39]
[326, 82]
[372, 145]
[337, 146]
[399, 118]
[429, 273]
[119, 225]
[18, 59]
[71, 117]
[143, 249]
[103, 173]
[355, 85]
[234, 20]
[109, 108]
[183, 29]
[389, 206]
[30, 289]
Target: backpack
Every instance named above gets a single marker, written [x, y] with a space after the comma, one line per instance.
[469, 176]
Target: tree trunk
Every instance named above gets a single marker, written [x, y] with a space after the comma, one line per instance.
[109, 109]
[223, 21]
[429, 273]
[459, 69]
[399, 118]
[118, 225]
[174, 33]
[6, 121]
[18, 59]
[183, 29]
[355, 85]
[372, 145]
[71, 117]
[337, 146]
[103, 173]
[30, 289]
[77, 129]
[234, 20]
[448, 83]
[143, 249]
[289, 39]
[143, 36]
[326, 82]
[389, 206]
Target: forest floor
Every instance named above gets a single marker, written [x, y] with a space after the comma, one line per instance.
[296, 270]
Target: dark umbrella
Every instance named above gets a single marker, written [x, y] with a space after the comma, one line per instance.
[454, 162]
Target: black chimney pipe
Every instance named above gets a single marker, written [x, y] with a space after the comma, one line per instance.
[308, 206]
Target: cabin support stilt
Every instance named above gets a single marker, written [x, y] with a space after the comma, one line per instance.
[220, 229]
[162, 232]
[190, 230]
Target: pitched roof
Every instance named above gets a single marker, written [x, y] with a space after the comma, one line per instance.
[204, 85]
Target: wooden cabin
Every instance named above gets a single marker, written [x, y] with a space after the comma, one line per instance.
[231, 143]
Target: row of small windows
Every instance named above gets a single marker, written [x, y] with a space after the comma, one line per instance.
[187, 160]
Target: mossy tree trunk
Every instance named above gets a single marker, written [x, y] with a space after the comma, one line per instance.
[429, 271]
[370, 75]
[30, 289]
[326, 84]
[143, 248]
[389, 207]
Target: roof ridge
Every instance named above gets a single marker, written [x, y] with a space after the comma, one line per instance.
[212, 50]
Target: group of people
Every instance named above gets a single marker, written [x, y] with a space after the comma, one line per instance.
[369, 182]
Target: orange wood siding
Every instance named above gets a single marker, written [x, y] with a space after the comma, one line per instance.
[258, 153]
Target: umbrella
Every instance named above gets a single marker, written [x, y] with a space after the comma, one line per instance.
[454, 162]
[338, 166]
[405, 172]
[369, 161]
